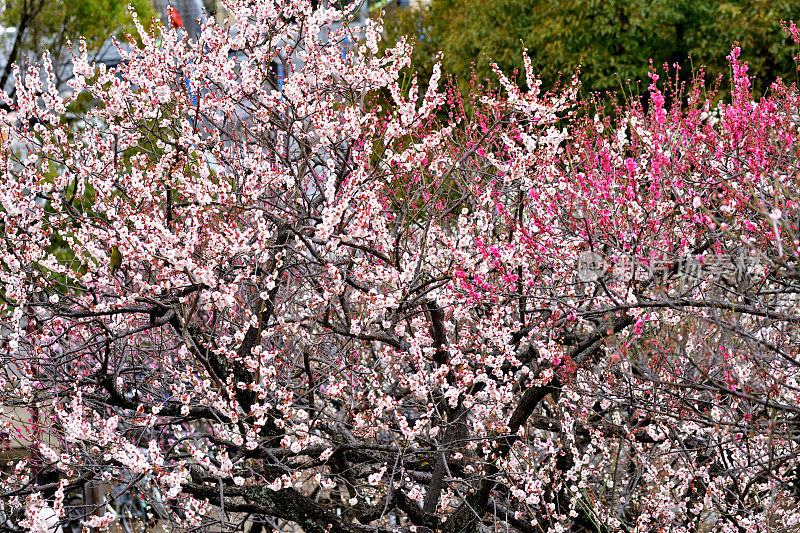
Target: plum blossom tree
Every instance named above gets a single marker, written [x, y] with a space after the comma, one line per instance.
[297, 308]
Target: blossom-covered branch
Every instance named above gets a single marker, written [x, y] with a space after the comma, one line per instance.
[336, 304]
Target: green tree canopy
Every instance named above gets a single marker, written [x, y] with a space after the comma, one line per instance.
[612, 40]
[50, 24]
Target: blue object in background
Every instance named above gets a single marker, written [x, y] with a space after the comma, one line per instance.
[192, 95]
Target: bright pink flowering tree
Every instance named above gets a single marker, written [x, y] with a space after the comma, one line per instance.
[294, 307]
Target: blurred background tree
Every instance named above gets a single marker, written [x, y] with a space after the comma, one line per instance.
[32, 26]
[612, 40]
